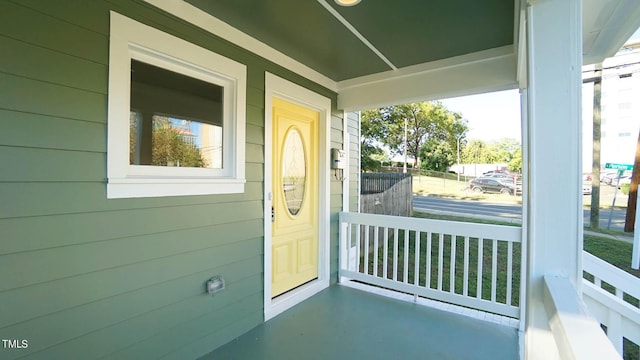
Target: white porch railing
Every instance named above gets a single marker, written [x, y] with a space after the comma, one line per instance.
[577, 334]
[612, 298]
[472, 265]
[466, 264]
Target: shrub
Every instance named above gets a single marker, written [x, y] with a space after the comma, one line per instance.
[625, 188]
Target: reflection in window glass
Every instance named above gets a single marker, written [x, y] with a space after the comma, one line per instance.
[175, 120]
[175, 142]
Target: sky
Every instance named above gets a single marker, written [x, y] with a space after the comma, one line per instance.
[491, 117]
[635, 36]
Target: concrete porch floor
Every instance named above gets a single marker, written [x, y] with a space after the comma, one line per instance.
[346, 323]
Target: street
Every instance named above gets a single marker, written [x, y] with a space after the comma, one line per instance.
[507, 211]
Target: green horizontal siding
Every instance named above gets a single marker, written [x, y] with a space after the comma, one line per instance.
[335, 193]
[214, 340]
[254, 153]
[40, 29]
[65, 198]
[89, 277]
[135, 330]
[81, 289]
[255, 134]
[175, 339]
[41, 127]
[52, 165]
[336, 135]
[46, 265]
[255, 115]
[38, 97]
[112, 310]
[74, 12]
[41, 232]
[255, 97]
[35, 62]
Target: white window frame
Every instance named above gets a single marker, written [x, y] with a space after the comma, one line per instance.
[133, 40]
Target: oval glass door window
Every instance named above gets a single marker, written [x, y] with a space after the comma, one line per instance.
[294, 171]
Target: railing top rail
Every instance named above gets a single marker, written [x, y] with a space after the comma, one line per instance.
[485, 231]
[611, 301]
[610, 274]
[577, 334]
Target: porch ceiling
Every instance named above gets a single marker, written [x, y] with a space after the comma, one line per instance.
[382, 52]
[405, 33]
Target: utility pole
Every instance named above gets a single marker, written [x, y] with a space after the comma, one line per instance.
[458, 170]
[404, 169]
[595, 171]
[633, 192]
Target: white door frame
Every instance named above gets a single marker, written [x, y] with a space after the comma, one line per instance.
[288, 91]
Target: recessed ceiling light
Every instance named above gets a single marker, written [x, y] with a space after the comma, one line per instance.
[347, 2]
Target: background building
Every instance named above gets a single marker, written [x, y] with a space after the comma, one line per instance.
[620, 108]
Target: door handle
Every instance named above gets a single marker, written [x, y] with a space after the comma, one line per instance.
[273, 215]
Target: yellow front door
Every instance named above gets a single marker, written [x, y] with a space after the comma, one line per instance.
[295, 196]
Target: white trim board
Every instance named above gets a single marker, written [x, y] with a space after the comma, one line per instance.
[288, 91]
[480, 72]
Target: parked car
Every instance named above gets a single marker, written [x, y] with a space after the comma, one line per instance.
[502, 175]
[497, 175]
[608, 177]
[491, 185]
[586, 189]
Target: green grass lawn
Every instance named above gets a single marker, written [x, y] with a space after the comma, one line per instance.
[615, 252]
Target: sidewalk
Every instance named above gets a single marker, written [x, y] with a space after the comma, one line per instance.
[624, 238]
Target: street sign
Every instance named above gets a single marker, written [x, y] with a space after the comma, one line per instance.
[618, 166]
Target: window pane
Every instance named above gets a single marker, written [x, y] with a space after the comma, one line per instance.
[294, 171]
[175, 120]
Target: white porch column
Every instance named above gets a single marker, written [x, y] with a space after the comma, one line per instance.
[552, 127]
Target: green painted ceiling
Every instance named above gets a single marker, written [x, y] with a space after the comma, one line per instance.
[407, 32]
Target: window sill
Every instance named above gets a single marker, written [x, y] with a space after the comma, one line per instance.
[155, 187]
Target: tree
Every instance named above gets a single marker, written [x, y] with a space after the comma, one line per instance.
[169, 146]
[371, 128]
[424, 121]
[369, 157]
[515, 165]
[170, 149]
[504, 151]
[436, 155]
[381, 157]
[475, 152]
